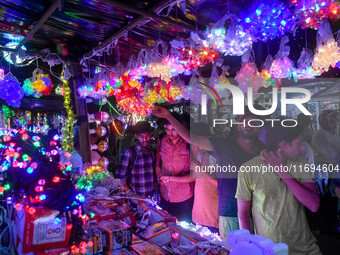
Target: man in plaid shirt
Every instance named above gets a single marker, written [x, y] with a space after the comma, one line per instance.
[136, 168]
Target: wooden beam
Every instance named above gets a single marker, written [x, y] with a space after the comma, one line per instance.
[132, 24]
[40, 22]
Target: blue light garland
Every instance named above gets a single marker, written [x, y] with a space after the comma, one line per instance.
[267, 20]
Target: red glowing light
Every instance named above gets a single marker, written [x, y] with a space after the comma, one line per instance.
[32, 210]
[56, 179]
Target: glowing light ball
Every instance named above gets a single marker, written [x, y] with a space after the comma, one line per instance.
[100, 116]
[174, 92]
[267, 20]
[234, 41]
[10, 90]
[326, 56]
[248, 76]
[159, 70]
[100, 131]
[268, 80]
[311, 13]
[282, 68]
[7, 54]
[151, 98]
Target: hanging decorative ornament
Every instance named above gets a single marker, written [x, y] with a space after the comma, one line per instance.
[59, 90]
[191, 58]
[39, 85]
[99, 116]
[248, 75]
[234, 41]
[10, 90]
[175, 92]
[159, 70]
[305, 70]
[103, 162]
[151, 97]
[311, 13]
[268, 19]
[2, 74]
[68, 130]
[100, 131]
[327, 51]
[102, 146]
[269, 81]
[163, 92]
[134, 106]
[282, 67]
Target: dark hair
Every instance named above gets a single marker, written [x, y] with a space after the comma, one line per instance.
[142, 127]
[184, 119]
[303, 120]
[276, 133]
[200, 128]
[323, 118]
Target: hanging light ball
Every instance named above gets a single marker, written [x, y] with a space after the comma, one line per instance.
[10, 56]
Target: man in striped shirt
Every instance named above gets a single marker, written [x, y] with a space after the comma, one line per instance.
[136, 168]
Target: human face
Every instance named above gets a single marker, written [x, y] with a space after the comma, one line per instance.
[171, 132]
[291, 150]
[332, 120]
[143, 139]
[248, 132]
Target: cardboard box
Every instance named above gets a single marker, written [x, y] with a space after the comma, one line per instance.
[119, 252]
[185, 237]
[128, 218]
[109, 204]
[147, 248]
[102, 212]
[158, 233]
[61, 251]
[98, 238]
[156, 215]
[41, 230]
[118, 234]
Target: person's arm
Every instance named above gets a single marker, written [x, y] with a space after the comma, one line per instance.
[244, 196]
[243, 213]
[201, 141]
[184, 179]
[306, 192]
[123, 168]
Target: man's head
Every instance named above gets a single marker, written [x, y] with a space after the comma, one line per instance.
[245, 131]
[328, 120]
[142, 132]
[170, 131]
[303, 120]
[286, 139]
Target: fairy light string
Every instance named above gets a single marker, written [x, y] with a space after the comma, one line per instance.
[68, 130]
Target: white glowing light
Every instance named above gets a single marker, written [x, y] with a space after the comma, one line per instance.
[7, 54]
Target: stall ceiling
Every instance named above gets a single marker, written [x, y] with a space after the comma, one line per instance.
[77, 26]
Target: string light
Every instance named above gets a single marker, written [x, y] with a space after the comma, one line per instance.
[267, 20]
[68, 130]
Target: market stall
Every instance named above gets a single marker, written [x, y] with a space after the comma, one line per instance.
[77, 76]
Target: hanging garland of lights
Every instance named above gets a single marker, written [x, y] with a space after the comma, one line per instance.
[68, 130]
[267, 20]
[311, 13]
